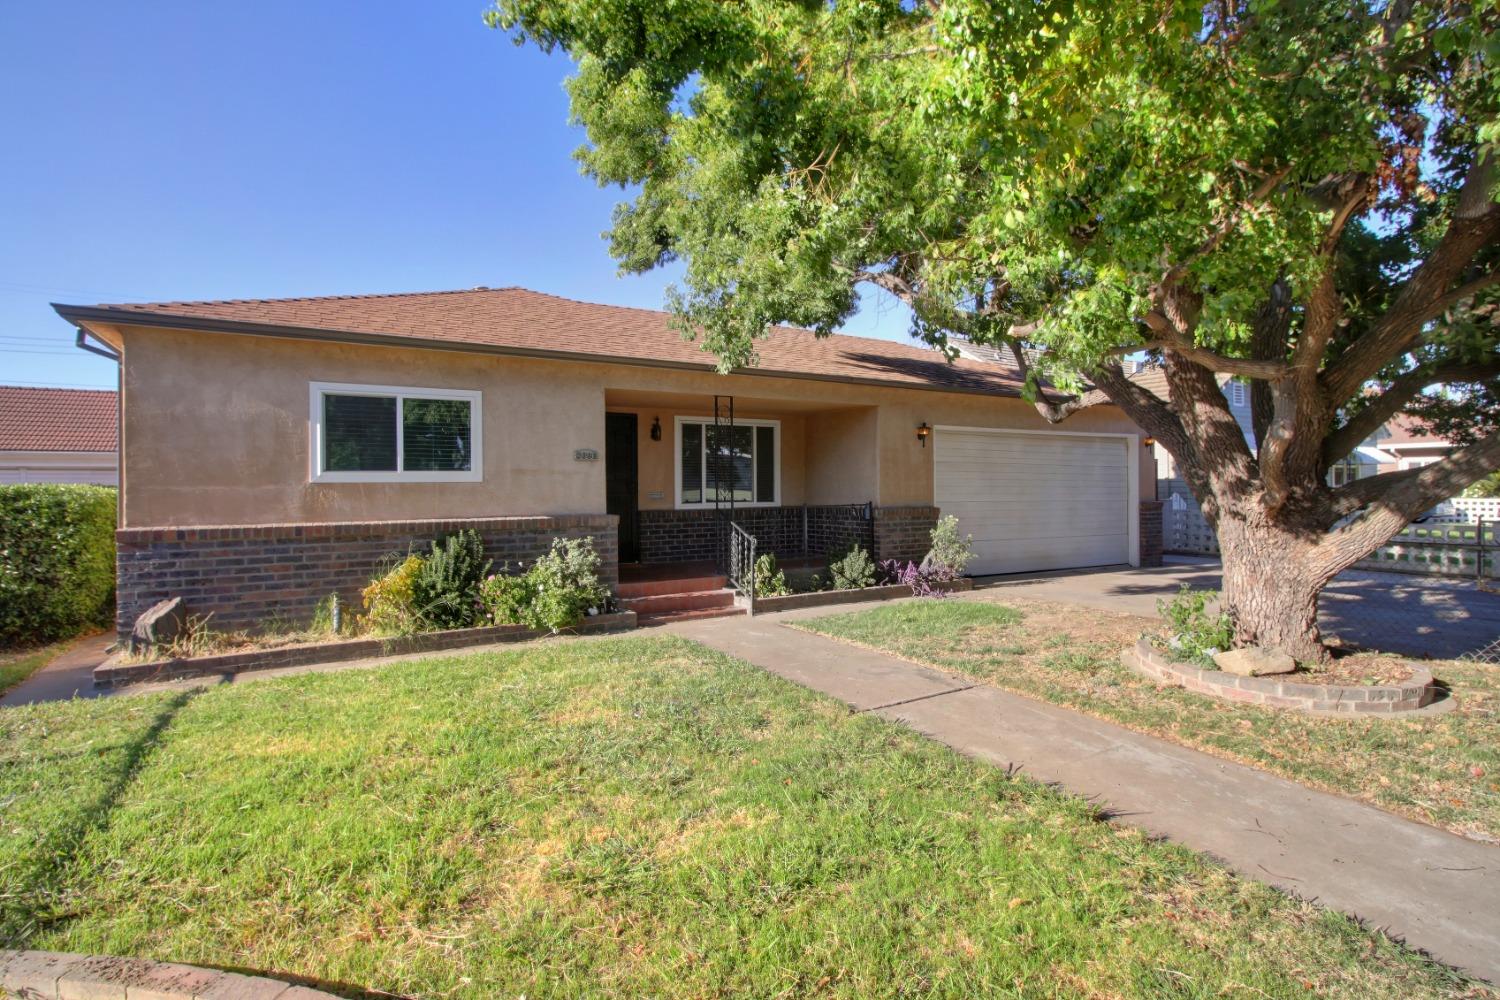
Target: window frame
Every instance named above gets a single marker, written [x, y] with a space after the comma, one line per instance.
[708, 421]
[317, 451]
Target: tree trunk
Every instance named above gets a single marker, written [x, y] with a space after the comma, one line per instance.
[1271, 584]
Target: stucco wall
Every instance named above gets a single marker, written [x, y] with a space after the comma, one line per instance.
[217, 431]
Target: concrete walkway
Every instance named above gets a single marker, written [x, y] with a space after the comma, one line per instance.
[1440, 617]
[1439, 892]
[69, 676]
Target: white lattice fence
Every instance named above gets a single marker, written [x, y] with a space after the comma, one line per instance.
[1184, 529]
[1476, 508]
[1439, 549]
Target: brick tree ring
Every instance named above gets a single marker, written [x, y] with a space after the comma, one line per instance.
[1417, 694]
[51, 974]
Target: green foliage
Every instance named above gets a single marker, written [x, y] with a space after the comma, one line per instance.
[391, 606]
[57, 561]
[1489, 486]
[854, 570]
[1036, 164]
[770, 581]
[557, 591]
[949, 551]
[1192, 633]
[447, 588]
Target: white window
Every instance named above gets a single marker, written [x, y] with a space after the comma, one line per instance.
[741, 463]
[1344, 472]
[1237, 392]
[1417, 463]
[394, 434]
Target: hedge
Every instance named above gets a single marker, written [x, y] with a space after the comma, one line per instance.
[57, 560]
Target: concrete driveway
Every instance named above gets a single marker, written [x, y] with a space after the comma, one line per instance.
[1397, 612]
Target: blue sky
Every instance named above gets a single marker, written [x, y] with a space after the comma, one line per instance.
[189, 150]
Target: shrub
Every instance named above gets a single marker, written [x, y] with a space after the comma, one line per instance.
[854, 570]
[390, 600]
[769, 580]
[447, 587]
[1193, 634]
[949, 551]
[559, 590]
[505, 600]
[924, 580]
[57, 560]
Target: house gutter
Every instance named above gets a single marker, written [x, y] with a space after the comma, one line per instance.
[104, 352]
[81, 315]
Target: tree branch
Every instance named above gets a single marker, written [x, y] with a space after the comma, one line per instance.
[1393, 400]
[1429, 291]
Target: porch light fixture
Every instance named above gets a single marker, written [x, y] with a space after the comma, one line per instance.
[923, 431]
[656, 428]
[1147, 442]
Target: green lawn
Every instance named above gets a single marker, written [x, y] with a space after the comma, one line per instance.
[1442, 769]
[621, 818]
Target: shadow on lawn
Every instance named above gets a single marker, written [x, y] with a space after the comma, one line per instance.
[37, 906]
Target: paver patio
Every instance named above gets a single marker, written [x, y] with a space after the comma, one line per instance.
[1435, 890]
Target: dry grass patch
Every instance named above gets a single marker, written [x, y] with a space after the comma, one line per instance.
[1442, 769]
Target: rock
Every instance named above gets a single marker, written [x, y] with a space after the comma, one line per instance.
[1253, 661]
[161, 623]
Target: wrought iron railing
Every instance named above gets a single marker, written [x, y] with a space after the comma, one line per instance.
[741, 563]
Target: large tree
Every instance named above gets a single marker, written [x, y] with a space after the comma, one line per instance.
[1298, 194]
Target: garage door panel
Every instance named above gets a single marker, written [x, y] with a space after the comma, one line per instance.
[1036, 501]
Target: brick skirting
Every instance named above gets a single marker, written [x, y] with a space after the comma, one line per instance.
[691, 535]
[1380, 699]
[1151, 533]
[250, 576]
[904, 533]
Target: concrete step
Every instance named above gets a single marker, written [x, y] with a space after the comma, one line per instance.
[667, 617]
[656, 588]
[697, 600]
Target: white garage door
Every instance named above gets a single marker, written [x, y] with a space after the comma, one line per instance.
[1036, 501]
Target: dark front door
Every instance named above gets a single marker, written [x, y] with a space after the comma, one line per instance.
[622, 481]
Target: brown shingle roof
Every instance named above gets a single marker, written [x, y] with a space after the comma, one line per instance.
[57, 419]
[522, 321]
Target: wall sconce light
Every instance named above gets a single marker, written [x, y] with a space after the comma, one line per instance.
[656, 428]
[1147, 442]
[923, 431]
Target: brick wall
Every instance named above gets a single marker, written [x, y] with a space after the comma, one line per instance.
[249, 576]
[1151, 532]
[904, 533]
[690, 535]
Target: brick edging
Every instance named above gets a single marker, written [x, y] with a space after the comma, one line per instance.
[56, 975]
[818, 598]
[112, 674]
[1383, 699]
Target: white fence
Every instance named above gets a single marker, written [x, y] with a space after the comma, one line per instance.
[1434, 549]
[1476, 508]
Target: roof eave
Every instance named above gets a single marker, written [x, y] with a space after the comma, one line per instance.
[84, 315]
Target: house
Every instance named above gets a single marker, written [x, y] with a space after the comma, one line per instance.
[1169, 481]
[1404, 443]
[275, 451]
[58, 435]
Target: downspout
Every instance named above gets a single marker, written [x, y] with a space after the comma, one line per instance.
[105, 351]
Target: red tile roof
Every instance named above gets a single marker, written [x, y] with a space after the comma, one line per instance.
[522, 321]
[1403, 428]
[58, 419]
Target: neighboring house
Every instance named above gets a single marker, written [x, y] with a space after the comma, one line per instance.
[1403, 443]
[58, 435]
[277, 450]
[1169, 481]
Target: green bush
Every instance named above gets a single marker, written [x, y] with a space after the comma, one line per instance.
[559, 589]
[854, 570]
[1192, 634]
[390, 600]
[949, 551]
[446, 588]
[769, 580]
[57, 560]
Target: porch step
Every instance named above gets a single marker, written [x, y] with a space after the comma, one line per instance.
[655, 588]
[667, 617]
[679, 600]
